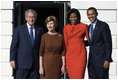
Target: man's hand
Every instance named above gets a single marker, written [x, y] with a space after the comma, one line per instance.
[106, 64]
[13, 64]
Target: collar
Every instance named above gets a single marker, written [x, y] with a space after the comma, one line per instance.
[29, 26]
[94, 23]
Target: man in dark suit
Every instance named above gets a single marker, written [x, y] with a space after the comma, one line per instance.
[100, 47]
[24, 50]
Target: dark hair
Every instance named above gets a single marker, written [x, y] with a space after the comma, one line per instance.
[92, 8]
[76, 12]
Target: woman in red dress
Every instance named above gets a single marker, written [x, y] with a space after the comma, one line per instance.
[76, 55]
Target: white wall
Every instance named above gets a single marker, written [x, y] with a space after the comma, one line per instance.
[107, 11]
[6, 32]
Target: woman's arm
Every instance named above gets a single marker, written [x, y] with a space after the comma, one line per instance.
[87, 42]
[63, 65]
[41, 71]
[65, 37]
[41, 53]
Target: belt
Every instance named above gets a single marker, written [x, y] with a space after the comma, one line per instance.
[52, 51]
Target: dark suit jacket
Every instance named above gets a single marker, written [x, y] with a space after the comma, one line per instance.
[101, 45]
[21, 49]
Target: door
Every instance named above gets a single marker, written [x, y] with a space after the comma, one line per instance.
[43, 9]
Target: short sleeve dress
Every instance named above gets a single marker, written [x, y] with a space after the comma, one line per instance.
[52, 49]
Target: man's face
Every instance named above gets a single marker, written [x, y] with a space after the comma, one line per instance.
[92, 15]
[30, 18]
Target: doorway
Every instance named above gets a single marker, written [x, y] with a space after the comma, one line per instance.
[43, 9]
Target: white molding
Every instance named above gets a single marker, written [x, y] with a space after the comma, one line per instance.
[96, 4]
[6, 4]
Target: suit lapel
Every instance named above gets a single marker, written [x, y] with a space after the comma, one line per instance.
[35, 34]
[26, 34]
[95, 30]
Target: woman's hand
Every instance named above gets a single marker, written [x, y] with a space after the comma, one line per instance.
[63, 69]
[41, 71]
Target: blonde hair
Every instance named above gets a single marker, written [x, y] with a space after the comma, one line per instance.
[51, 18]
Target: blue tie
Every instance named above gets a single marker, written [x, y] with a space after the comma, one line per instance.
[31, 35]
[91, 32]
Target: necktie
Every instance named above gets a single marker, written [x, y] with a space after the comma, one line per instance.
[31, 35]
[91, 32]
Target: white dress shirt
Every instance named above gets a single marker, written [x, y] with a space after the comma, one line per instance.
[94, 24]
[33, 30]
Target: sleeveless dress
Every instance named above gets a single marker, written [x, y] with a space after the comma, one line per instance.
[76, 55]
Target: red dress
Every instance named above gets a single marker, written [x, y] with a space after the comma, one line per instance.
[76, 55]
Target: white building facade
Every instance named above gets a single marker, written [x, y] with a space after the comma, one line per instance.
[107, 11]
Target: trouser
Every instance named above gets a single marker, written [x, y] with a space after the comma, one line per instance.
[31, 73]
[97, 73]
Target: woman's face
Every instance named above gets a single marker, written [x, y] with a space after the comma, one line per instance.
[50, 26]
[73, 18]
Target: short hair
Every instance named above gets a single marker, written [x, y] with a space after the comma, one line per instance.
[51, 18]
[76, 11]
[32, 11]
[92, 8]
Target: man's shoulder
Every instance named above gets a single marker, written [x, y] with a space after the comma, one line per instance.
[20, 26]
[103, 25]
[38, 27]
[102, 22]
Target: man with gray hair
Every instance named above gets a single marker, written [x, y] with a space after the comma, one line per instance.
[24, 50]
